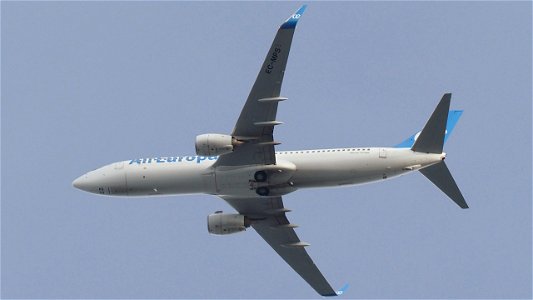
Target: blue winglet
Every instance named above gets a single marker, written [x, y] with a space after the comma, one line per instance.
[343, 289]
[292, 20]
[453, 117]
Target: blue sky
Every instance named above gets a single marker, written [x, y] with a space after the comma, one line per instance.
[85, 84]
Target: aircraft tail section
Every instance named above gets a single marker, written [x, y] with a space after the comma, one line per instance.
[442, 178]
[437, 130]
[431, 140]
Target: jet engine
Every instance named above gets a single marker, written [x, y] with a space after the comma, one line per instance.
[220, 223]
[215, 144]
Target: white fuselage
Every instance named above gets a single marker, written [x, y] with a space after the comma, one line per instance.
[293, 170]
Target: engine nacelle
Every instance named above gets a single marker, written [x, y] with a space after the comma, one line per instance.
[214, 144]
[220, 223]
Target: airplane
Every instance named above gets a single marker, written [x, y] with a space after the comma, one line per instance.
[245, 170]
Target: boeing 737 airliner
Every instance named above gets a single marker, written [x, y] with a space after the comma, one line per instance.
[245, 170]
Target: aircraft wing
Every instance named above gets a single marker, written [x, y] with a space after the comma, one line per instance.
[269, 220]
[256, 122]
[255, 128]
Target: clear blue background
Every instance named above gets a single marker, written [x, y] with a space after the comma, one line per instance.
[85, 84]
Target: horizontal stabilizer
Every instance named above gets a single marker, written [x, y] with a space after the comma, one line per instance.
[442, 178]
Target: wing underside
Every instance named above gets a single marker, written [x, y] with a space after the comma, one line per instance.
[268, 218]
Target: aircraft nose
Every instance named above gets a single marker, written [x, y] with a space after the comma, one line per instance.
[107, 180]
[82, 183]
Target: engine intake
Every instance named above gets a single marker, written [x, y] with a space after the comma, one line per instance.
[215, 144]
[220, 223]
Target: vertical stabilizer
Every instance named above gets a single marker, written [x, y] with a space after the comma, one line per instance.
[431, 138]
[442, 178]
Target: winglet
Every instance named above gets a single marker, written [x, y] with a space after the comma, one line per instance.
[343, 289]
[293, 19]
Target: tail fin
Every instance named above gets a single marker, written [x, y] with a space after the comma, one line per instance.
[431, 138]
[442, 178]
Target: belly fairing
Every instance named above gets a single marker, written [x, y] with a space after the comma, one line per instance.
[242, 181]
